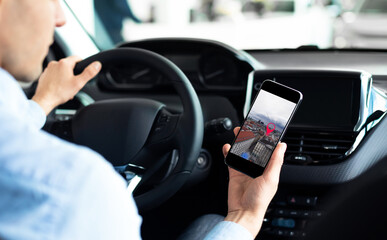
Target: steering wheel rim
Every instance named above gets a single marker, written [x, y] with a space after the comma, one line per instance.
[186, 136]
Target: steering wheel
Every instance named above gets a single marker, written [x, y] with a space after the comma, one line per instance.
[144, 137]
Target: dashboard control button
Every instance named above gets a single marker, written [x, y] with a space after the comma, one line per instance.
[284, 222]
[281, 212]
[302, 201]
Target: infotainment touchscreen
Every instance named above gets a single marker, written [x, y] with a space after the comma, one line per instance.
[328, 100]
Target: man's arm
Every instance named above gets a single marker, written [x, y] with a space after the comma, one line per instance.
[58, 84]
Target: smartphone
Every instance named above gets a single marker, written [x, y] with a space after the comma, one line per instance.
[264, 126]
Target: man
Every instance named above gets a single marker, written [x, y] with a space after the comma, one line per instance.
[52, 189]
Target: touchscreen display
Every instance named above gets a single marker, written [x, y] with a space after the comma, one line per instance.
[262, 128]
[326, 103]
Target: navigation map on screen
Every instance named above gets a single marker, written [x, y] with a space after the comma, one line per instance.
[262, 128]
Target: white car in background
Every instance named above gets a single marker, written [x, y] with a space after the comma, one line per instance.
[364, 27]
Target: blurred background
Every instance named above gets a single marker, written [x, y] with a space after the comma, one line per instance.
[243, 24]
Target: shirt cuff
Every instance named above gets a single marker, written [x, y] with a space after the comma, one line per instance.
[37, 114]
[229, 230]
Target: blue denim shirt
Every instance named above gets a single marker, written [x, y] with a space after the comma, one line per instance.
[52, 189]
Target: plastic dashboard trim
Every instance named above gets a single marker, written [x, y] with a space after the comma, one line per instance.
[372, 150]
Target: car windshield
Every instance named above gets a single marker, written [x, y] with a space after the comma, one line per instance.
[243, 24]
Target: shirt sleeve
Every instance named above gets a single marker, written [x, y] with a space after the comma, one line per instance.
[102, 208]
[226, 230]
[52, 189]
[38, 116]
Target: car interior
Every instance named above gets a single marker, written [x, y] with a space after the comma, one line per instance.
[162, 108]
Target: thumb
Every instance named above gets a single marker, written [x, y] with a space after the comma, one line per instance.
[273, 168]
[90, 71]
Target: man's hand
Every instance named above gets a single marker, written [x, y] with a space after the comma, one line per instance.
[248, 198]
[58, 84]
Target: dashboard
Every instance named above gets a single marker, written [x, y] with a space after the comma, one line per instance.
[332, 121]
[209, 65]
[338, 98]
[337, 134]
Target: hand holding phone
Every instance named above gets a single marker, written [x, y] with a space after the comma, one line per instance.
[263, 128]
[248, 198]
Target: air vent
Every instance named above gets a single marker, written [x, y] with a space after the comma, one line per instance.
[316, 148]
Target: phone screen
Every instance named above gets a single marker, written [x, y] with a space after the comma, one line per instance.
[263, 128]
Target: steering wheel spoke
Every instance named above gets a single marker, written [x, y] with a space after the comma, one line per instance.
[132, 174]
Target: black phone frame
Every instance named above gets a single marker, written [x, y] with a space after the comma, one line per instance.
[251, 169]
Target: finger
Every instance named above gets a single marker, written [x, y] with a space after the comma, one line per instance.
[89, 72]
[273, 168]
[232, 173]
[225, 149]
[236, 130]
[72, 60]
